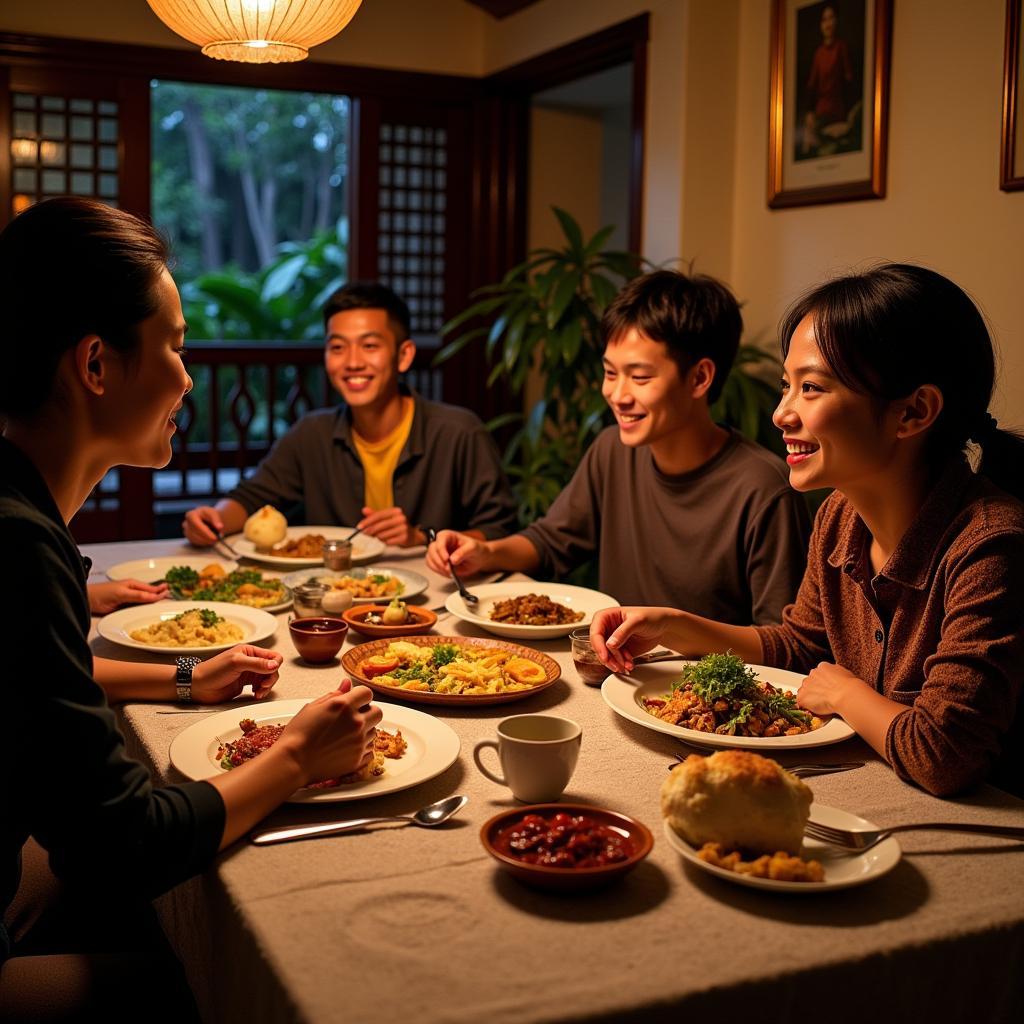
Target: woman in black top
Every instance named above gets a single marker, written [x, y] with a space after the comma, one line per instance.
[92, 376]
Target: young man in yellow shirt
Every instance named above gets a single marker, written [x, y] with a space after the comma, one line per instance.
[388, 459]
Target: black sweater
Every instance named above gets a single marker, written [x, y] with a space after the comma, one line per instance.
[66, 779]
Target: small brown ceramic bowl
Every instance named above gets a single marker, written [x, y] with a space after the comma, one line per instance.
[568, 879]
[420, 620]
[318, 638]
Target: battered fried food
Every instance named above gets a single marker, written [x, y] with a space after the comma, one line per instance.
[309, 545]
[780, 866]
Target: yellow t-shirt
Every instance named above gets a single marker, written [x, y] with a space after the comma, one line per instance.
[379, 459]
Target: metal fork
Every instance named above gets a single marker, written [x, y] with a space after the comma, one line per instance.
[801, 771]
[466, 595]
[864, 839]
[226, 545]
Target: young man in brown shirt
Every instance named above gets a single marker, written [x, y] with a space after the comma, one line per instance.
[677, 508]
[385, 461]
[908, 622]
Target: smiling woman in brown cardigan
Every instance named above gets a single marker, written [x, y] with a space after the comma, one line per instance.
[908, 623]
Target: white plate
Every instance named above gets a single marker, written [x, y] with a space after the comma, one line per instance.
[364, 549]
[117, 627]
[623, 693]
[579, 599]
[412, 582]
[843, 868]
[149, 570]
[433, 748]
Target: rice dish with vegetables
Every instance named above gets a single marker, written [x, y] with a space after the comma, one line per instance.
[720, 694]
[197, 627]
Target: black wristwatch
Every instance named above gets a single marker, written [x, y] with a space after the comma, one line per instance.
[183, 678]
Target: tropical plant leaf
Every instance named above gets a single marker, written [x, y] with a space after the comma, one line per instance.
[562, 295]
[282, 276]
[572, 233]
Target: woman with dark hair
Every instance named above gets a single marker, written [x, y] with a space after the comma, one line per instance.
[93, 376]
[908, 620]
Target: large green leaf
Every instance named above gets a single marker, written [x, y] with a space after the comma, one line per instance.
[283, 276]
[572, 233]
[562, 295]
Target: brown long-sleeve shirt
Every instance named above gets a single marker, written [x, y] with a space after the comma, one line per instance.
[940, 629]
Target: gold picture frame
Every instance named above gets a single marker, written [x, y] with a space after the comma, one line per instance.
[828, 116]
[1011, 156]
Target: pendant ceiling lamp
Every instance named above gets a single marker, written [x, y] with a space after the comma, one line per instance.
[256, 31]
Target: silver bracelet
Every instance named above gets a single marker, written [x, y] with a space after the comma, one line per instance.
[183, 677]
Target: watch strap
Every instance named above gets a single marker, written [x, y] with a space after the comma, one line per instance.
[183, 677]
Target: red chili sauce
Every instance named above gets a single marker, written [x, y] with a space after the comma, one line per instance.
[563, 841]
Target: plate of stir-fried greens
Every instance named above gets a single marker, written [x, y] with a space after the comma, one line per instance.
[721, 702]
[247, 587]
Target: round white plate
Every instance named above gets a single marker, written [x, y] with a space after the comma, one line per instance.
[623, 694]
[412, 582]
[118, 626]
[433, 747]
[149, 570]
[843, 868]
[579, 599]
[364, 549]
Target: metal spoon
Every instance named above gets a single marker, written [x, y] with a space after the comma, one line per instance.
[428, 817]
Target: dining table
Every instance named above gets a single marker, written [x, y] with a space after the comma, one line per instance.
[395, 922]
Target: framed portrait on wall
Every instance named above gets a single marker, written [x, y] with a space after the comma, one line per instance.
[829, 101]
[1011, 164]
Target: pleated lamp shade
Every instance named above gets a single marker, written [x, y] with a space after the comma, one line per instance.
[256, 31]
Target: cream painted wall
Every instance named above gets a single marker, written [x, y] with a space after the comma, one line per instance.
[943, 206]
[565, 152]
[442, 36]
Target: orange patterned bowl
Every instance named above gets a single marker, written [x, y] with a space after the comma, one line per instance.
[420, 620]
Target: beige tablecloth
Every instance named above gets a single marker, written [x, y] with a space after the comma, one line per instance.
[413, 924]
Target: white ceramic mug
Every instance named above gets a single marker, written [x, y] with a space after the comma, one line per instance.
[537, 753]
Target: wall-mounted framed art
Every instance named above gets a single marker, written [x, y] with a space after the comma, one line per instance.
[829, 101]
[1011, 157]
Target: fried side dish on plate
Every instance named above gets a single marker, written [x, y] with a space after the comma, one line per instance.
[779, 867]
[257, 738]
[720, 694]
[309, 545]
[447, 668]
[736, 803]
[373, 584]
[533, 610]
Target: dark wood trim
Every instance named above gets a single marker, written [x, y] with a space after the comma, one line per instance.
[6, 134]
[190, 65]
[638, 132]
[1011, 178]
[364, 168]
[597, 52]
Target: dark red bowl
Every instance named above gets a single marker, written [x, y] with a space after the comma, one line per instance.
[318, 638]
[568, 879]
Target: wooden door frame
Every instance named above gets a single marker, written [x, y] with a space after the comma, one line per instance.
[618, 44]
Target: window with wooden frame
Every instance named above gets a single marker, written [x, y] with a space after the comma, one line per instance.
[76, 118]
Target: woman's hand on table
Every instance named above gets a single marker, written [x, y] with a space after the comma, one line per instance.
[618, 635]
[224, 676]
[333, 735]
[105, 597]
[467, 554]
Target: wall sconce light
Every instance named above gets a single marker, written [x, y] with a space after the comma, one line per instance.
[256, 31]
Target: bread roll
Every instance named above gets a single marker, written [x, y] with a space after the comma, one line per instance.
[738, 799]
[265, 528]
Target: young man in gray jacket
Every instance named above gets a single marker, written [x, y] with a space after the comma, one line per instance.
[387, 460]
